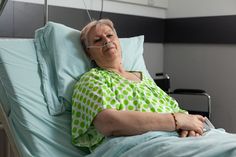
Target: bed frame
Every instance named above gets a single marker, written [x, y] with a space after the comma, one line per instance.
[12, 150]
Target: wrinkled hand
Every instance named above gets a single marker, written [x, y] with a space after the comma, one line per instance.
[188, 133]
[193, 124]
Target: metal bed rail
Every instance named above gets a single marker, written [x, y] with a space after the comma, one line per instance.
[11, 146]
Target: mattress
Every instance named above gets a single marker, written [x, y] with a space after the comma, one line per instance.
[35, 131]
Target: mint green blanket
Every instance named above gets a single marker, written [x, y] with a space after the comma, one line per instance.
[214, 143]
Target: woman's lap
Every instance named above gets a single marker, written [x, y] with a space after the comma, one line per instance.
[166, 144]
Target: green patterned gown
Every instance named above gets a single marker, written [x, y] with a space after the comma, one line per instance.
[101, 89]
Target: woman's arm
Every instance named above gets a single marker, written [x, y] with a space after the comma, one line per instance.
[111, 122]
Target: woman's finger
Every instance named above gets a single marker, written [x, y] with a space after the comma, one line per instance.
[184, 133]
[191, 133]
[199, 130]
[197, 134]
[201, 118]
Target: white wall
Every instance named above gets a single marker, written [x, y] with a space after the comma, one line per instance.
[192, 8]
[209, 66]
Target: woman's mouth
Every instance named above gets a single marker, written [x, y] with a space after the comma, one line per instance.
[109, 45]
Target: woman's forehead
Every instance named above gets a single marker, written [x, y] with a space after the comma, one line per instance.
[100, 28]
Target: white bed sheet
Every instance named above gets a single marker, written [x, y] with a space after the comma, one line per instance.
[36, 132]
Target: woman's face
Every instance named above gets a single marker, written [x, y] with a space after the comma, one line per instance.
[99, 36]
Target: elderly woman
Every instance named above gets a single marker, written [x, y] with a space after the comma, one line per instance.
[114, 102]
[109, 101]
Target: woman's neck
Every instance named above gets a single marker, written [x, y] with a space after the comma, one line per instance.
[118, 68]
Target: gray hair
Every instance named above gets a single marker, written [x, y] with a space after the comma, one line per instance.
[89, 26]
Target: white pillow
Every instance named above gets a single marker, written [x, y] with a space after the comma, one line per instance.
[62, 61]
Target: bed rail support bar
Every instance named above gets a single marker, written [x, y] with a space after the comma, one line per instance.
[6, 127]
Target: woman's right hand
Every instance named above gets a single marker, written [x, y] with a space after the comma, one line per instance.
[190, 122]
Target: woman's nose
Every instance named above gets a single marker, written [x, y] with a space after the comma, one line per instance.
[106, 40]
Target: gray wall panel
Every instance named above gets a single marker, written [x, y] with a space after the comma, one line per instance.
[6, 21]
[126, 25]
[212, 29]
[27, 18]
[75, 18]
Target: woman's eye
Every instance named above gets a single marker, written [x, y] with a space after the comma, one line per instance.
[109, 35]
[97, 40]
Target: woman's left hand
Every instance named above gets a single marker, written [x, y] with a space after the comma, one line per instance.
[188, 133]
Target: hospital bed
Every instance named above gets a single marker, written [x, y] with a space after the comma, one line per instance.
[36, 82]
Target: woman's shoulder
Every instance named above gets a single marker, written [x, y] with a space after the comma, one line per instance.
[148, 80]
[93, 74]
[93, 71]
[90, 74]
